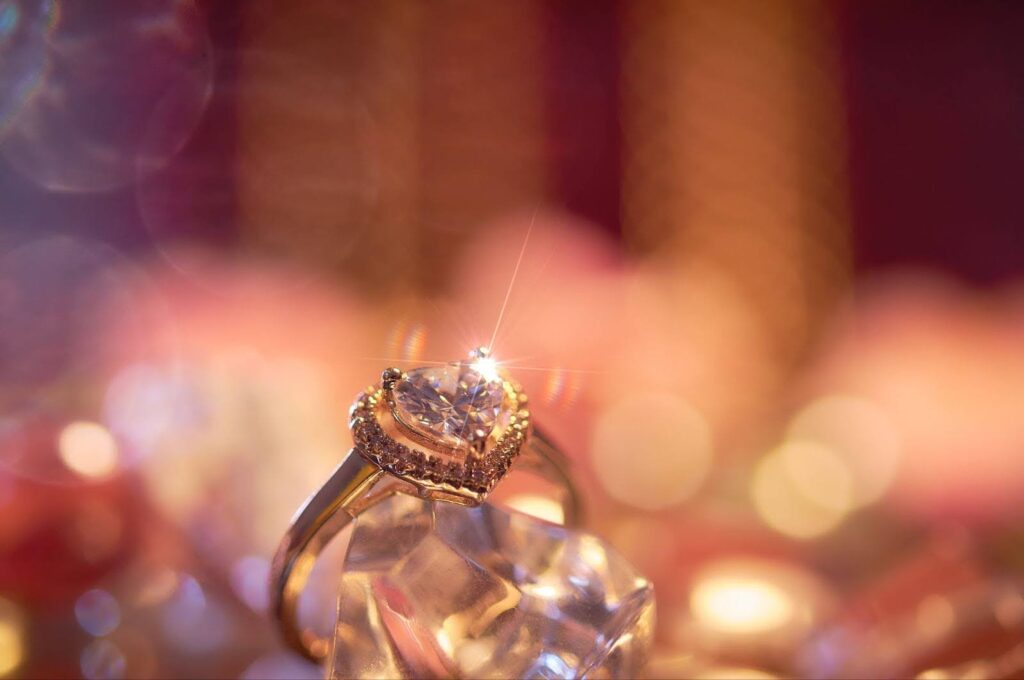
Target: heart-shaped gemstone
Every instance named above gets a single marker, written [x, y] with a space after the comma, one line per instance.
[452, 404]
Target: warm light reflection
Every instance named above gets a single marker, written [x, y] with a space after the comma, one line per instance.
[148, 404]
[592, 554]
[538, 506]
[652, 450]
[88, 449]
[407, 340]
[740, 604]
[156, 587]
[743, 603]
[934, 674]
[561, 388]
[679, 325]
[473, 653]
[12, 637]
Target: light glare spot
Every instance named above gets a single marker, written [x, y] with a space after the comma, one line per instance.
[1009, 609]
[88, 449]
[473, 654]
[592, 554]
[934, 674]
[12, 638]
[487, 367]
[737, 604]
[537, 506]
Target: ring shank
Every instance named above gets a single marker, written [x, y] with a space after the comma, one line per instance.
[354, 486]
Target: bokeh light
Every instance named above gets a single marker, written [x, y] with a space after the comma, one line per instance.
[819, 474]
[12, 637]
[933, 348]
[85, 129]
[156, 586]
[97, 612]
[535, 505]
[796, 502]
[740, 604]
[651, 450]
[145, 403]
[860, 433]
[88, 449]
[781, 347]
[935, 617]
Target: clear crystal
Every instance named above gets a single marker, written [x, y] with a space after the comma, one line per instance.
[441, 590]
[453, 403]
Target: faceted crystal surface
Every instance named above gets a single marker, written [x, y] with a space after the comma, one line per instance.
[453, 403]
[441, 590]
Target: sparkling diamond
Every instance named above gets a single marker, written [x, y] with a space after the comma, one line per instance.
[453, 403]
[440, 590]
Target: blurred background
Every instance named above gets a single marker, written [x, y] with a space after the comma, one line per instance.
[768, 298]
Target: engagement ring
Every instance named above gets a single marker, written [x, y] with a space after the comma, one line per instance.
[447, 432]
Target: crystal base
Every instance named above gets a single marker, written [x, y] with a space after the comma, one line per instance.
[440, 590]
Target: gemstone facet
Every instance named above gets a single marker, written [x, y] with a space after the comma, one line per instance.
[453, 404]
[441, 590]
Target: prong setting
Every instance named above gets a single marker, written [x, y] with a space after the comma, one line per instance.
[389, 377]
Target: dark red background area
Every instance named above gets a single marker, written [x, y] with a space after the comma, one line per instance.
[935, 102]
[935, 118]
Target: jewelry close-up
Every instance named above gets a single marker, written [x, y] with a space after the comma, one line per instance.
[448, 434]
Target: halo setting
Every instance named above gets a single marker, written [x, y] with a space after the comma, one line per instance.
[451, 430]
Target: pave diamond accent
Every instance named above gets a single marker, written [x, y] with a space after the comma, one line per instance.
[477, 473]
[453, 404]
